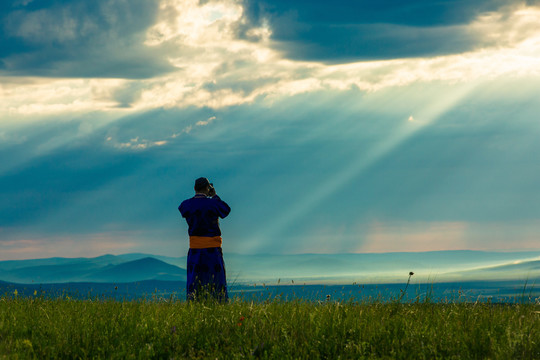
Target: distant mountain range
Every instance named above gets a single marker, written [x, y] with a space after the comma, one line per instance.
[103, 269]
[372, 268]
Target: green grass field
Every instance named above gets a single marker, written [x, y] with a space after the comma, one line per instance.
[163, 329]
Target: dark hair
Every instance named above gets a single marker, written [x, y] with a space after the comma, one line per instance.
[201, 183]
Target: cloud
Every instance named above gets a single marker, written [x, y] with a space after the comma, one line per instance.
[387, 236]
[205, 122]
[347, 31]
[67, 246]
[421, 236]
[79, 39]
[214, 67]
[136, 144]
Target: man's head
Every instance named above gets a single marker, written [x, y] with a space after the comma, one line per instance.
[202, 185]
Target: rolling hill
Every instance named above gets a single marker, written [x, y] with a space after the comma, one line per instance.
[106, 269]
[146, 268]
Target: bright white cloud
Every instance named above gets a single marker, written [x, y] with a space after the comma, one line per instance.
[187, 23]
[216, 69]
[33, 98]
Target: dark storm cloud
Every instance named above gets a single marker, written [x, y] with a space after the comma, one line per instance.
[351, 30]
[62, 38]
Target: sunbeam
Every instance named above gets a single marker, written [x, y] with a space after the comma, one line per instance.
[331, 184]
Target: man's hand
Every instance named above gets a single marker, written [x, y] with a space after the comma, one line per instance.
[211, 191]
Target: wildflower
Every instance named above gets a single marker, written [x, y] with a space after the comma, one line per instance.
[240, 320]
[35, 292]
[173, 330]
[406, 286]
[15, 292]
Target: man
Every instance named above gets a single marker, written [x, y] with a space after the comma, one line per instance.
[205, 267]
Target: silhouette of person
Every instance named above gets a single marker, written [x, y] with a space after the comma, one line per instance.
[205, 267]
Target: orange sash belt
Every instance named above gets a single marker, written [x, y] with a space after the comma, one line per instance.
[203, 242]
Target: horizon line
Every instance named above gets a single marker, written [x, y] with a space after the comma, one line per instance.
[282, 254]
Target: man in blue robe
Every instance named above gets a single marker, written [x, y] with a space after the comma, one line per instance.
[205, 267]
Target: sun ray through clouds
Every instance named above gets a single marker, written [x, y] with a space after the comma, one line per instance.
[333, 183]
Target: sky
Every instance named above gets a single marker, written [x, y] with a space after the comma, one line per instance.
[328, 127]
